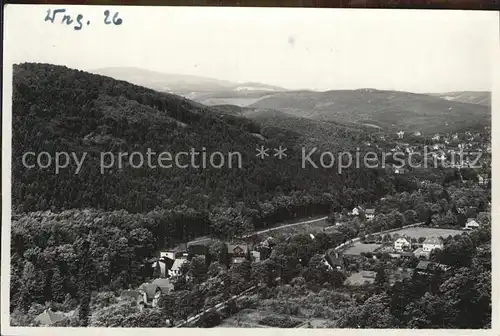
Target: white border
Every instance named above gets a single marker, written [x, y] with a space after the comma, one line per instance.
[6, 329]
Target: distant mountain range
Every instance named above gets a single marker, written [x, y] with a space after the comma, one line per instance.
[473, 97]
[205, 90]
[378, 109]
[388, 110]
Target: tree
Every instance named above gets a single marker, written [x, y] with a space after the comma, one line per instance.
[210, 320]
[373, 313]
[381, 277]
[332, 218]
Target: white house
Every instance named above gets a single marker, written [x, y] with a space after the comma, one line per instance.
[471, 224]
[355, 211]
[417, 133]
[168, 254]
[436, 137]
[401, 243]
[370, 214]
[401, 134]
[176, 267]
[432, 243]
[483, 179]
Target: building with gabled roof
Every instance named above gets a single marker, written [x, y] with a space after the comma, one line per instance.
[151, 294]
[432, 243]
[165, 285]
[49, 317]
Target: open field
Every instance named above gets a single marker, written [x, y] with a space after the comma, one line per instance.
[418, 232]
[357, 279]
[359, 248]
[251, 318]
[311, 225]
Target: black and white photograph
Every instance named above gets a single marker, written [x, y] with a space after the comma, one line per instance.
[203, 167]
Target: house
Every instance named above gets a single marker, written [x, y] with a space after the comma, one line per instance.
[335, 261]
[431, 244]
[161, 266]
[176, 267]
[436, 137]
[238, 252]
[401, 244]
[399, 171]
[165, 285]
[150, 294]
[482, 179]
[471, 224]
[420, 253]
[355, 211]
[428, 267]
[180, 250]
[423, 267]
[49, 317]
[401, 134]
[255, 255]
[417, 133]
[198, 250]
[370, 214]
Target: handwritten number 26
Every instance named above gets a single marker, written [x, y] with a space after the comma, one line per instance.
[116, 20]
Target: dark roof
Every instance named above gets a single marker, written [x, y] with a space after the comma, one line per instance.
[150, 289]
[165, 285]
[333, 260]
[423, 265]
[179, 248]
[368, 274]
[232, 247]
[407, 254]
[198, 249]
[168, 262]
[48, 317]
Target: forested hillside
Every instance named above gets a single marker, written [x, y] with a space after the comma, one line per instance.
[59, 109]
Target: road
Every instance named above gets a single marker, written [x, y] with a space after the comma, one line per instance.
[284, 226]
[255, 233]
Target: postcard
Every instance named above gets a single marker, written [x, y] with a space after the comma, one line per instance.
[209, 167]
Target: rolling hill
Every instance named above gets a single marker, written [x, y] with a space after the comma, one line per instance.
[208, 91]
[472, 97]
[388, 110]
[325, 134]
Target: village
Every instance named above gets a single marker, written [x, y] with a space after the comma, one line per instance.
[369, 249]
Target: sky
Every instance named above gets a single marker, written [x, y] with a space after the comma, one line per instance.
[317, 49]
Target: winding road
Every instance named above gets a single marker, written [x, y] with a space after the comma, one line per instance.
[255, 233]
